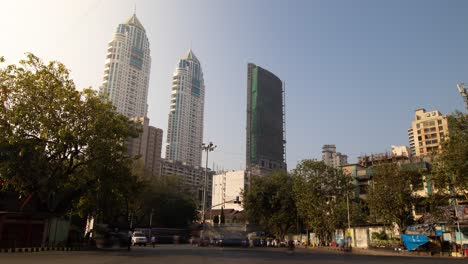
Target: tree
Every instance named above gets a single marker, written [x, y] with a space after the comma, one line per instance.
[269, 202]
[59, 145]
[216, 219]
[320, 193]
[168, 199]
[391, 197]
[451, 165]
[359, 212]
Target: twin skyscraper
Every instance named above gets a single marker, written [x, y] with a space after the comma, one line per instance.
[126, 82]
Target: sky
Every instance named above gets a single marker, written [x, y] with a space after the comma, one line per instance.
[355, 71]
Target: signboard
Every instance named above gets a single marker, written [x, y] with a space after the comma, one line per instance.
[462, 212]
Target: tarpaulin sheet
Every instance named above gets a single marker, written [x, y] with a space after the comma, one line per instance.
[413, 241]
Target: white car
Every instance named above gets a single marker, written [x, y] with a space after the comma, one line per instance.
[139, 239]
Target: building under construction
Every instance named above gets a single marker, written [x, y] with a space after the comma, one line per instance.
[266, 144]
[464, 93]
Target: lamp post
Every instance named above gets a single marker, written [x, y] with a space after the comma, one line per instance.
[206, 147]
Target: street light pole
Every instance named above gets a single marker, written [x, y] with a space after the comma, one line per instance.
[206, 147]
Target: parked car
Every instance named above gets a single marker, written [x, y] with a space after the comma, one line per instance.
[139, 239]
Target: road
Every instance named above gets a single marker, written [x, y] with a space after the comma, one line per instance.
[175, 254]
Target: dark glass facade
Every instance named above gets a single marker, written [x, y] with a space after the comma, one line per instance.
[265, 121]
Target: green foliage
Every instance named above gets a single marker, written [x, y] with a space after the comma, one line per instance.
[320, 195]
[269, 202]
[168, 199]
[379, 236]
[63, 146]
[451, 165]
[359, 212]
[216, 219]
[391, 197]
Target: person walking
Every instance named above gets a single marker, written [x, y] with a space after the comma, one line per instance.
[129, 239]
[153, 240]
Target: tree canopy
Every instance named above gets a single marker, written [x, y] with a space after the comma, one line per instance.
[391, 194]
[57, 144]
[451, 165]
[320, 195]
[269, 202]
[168, 199]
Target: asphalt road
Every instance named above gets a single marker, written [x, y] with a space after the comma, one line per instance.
[186, 254]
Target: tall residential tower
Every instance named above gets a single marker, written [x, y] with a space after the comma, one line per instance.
[185, 124]
[265, 150]
[332, 158]
[427, 132]
[126, 82]
[127, 69]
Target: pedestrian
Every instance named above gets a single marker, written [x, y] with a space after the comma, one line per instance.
[129, 239]
[153, 240]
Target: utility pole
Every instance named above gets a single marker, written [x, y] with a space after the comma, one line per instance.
[206, 147]
[151, 218]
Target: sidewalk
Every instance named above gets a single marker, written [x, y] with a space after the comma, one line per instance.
[377, 252]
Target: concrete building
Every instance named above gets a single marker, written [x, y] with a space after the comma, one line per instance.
[125, 82]
[127, 69]
[185, 123]
[363, 180]
[401, 151]
[411, 142]
[464, 93]
[332, 158]
[266, 144]
[147, 147]
[227, 187]
[192, 176]
[429, 129]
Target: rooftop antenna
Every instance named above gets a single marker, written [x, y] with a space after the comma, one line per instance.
[134, 8]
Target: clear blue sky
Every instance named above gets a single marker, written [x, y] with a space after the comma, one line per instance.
[355, 71]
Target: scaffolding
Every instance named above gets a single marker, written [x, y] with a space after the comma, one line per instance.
[284, 124]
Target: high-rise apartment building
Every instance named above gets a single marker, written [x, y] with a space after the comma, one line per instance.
[125, 82]
[148, 147]
[428, 130]
[265, 150]
[127, 69]
[332, 158]
[185, 124]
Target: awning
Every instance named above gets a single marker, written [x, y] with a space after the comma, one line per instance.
[411, 242]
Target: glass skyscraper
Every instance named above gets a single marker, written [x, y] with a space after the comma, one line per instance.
[265, 148]
[185, 124]
[127, 69]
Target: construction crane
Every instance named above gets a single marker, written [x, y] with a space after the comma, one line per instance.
[464, 93]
